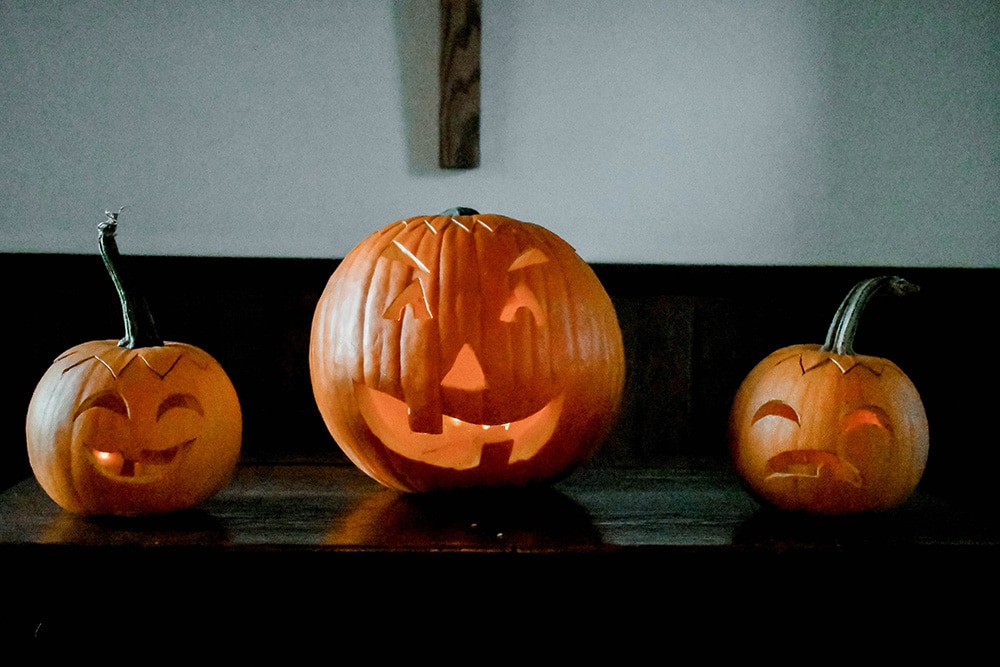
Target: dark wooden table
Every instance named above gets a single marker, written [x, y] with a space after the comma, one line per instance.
[281, 542]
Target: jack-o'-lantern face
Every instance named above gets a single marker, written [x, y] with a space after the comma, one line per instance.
[118, 431]
[817, 431]
[458, 419]
[465, 350]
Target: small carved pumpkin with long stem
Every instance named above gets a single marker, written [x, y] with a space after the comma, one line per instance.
[822, 429]
[132, 427]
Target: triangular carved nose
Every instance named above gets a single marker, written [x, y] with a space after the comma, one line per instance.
[466, 373]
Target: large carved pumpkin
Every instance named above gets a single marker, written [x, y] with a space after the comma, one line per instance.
[133, 427]
[823, 429]
[465, 350]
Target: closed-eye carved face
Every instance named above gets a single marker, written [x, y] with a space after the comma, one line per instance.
[829, 433]
[135, 436]
[133, 431]
[463, 345]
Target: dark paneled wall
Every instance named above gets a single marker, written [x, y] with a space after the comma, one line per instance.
[691, 334]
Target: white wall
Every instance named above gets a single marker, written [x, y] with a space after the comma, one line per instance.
[676, 131]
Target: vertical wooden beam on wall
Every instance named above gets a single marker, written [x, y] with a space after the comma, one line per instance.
[461, 27]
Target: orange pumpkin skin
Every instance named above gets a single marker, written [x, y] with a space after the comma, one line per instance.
[149, 430]
[466, 350]
[821, 429]
[828, 433]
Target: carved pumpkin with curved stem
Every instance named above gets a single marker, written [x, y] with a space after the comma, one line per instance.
[465, 350]
[822, 429]
[132, 427]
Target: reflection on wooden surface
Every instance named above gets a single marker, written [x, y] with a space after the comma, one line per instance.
[180, 528]
[293, 551]
[519, 519]
[595, 510]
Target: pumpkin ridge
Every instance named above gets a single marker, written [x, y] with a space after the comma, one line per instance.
[371, 367]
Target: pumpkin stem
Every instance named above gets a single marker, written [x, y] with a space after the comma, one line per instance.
[840, 336]
[140, 330]
[460, 210]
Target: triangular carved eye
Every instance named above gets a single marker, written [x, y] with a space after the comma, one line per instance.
[775, 408]
[412, 296]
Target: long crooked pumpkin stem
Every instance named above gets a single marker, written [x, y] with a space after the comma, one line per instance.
[140, 330]
[840, 336]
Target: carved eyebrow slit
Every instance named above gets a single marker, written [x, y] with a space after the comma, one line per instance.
[109, 400]
[179, 401]
[530, 257]
[775, 408]
[397, 251]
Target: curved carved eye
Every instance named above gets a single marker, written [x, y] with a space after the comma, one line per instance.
[109, 400]
[776, 408]
[867, 416]
[174, 401]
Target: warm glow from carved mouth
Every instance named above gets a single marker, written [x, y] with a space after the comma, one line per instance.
[150, 464]
[460, 444]
[812, 463]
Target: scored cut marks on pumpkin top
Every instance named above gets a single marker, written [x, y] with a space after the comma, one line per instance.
[160, 360]
[846, 363]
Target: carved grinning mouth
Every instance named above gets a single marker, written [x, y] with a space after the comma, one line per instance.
[460, 445]
[147, 466]
[812, 463]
